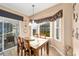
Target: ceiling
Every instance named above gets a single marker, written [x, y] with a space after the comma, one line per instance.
[26, 8]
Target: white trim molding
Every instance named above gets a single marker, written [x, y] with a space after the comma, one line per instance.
[58, 51]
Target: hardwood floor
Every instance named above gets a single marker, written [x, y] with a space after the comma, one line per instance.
[52, 52]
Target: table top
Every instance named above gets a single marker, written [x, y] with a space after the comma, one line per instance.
[37, 42]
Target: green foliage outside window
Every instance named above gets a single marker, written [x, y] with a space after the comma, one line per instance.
[45, 29]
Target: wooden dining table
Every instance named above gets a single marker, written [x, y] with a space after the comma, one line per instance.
[39, 43]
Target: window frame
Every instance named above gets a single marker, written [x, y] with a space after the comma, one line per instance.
[56, 26]
[44, 29]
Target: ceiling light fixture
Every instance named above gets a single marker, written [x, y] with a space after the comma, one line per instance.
[33, 24]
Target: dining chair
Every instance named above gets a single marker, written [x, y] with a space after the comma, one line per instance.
[27, 50]
[19, 46]
[36, 35]
[43, 36]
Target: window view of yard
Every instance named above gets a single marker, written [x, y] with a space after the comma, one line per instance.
[45, 29]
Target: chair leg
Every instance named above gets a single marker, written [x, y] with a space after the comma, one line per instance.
[29, 52]
[21, 51]
[24, 52]
[18, 51]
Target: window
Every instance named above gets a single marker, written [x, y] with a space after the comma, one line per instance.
[9, 30]
[34, 31]
[45, 29]
[8, 35]
[0, 36]
[57, 29]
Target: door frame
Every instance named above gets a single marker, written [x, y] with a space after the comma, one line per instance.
[7, 20]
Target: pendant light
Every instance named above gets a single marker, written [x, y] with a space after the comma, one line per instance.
[33, 24]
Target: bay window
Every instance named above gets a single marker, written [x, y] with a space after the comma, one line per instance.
[57, 29]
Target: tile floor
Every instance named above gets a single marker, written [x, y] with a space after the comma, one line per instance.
[12, 52]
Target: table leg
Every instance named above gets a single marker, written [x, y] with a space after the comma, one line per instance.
[37, 52]
[41, 51]
[47, 48]
[44, 48]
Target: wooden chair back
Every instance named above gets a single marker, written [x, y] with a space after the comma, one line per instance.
[20, 46]
[27, 43]
[43, 36]
[19, 41]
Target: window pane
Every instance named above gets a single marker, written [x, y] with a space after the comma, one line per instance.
[45, 29]
[57, 33]
[0, 36]
[57, 29]
[9, 36]
[34, 31]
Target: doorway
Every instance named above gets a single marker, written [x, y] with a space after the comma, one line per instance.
[9, 30]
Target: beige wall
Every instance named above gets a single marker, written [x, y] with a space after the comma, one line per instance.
[66, 24]
[20, 22]
[68, 17]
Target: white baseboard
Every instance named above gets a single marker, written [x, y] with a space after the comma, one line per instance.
[58, 50]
